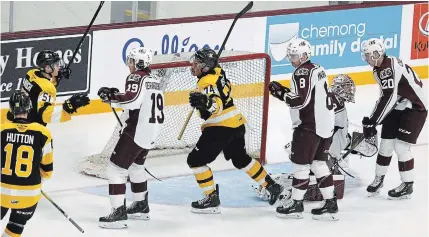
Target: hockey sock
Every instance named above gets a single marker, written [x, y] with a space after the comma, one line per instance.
[405, 161]
[324, 178]
[301, 180]
[138, 181]
[384, 156]
[204, 177]
[255, 170]
[117, 178]
[13, 229]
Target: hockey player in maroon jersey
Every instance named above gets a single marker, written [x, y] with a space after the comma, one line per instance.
[144, 101]
[401, 109]
[312, 117]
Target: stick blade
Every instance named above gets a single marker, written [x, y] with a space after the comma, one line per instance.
[246, 9]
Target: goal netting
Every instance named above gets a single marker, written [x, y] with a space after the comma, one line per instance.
[249, 74]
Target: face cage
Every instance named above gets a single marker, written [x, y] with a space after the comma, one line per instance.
[345, 90]
[364, 55]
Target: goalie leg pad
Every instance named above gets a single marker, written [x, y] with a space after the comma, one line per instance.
[405, 160]
[301, 180]
[138, 181]
[384, 156]
[324, 178]
[117, 179]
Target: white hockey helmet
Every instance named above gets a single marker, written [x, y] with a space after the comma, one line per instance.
[373, 48]
[141, 56]
[297, 48]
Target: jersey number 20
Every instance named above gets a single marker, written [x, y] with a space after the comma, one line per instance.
[158, 102]
[20, 160]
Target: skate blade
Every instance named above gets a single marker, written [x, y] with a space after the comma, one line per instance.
[139, 216]
[376, 193]
[113, 225]
[326, 217]
[210, 210]
[408, 196]
[290, 216]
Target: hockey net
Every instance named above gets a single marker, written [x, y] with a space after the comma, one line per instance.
[249, 74]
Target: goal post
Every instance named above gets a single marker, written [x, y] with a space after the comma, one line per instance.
[249, 74]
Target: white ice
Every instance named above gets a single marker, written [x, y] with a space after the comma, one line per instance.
[359, 215]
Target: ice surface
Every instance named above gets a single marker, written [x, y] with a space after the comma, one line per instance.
[359, 215]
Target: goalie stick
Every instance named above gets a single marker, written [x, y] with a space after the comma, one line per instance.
[62, 212]
[240, 14]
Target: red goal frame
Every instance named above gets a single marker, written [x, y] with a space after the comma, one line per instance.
[266, 94]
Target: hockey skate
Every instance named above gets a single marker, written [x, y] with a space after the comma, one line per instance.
[326, 211]
[374, 188]
[274, 189]
[403, 191]
[139, 210]
[209, 204]
[292, 209]
[116, 220]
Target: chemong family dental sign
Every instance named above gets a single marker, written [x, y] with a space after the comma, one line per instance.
[336, 36]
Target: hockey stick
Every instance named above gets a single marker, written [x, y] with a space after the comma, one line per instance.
[122, 125]
[240, 14]
[355, 143]
[84, 35]
[61, 210]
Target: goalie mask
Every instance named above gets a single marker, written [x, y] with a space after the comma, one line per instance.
[141, 58]
[343, 86]
[204, 59]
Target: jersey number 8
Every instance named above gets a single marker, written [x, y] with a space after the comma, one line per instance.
[20, 160]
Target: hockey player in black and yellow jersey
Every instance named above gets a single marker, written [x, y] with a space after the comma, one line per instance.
[41, 85]
[26, 159]
[222, 130]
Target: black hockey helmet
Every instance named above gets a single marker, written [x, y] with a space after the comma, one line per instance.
[47, 58]
[19, 103]
[206, 57]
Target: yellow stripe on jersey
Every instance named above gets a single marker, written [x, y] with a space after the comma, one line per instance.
[18, 197]
[10, 233]
[204, 177]
[229, 117]
[255, 170]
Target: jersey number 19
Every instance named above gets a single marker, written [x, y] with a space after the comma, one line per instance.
[158, 102]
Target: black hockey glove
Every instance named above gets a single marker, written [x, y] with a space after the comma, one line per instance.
[106, 92]
[64, 73]
[75, 102]
[369, 129]
[277, 90]
[199, 100]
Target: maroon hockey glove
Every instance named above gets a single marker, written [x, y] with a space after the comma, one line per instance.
[369, 129]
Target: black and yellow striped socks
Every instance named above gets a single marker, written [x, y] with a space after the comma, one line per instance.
[204, 177]
[255, 170]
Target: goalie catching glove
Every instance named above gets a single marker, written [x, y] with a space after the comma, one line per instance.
[203, 102]
[75, 102]
[105, 93]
